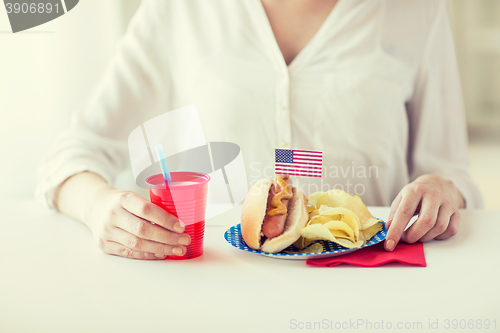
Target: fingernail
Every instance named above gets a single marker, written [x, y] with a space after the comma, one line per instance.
[178, 227]
[184, 240]
[389, 245]
[177, 251]
[161, 256]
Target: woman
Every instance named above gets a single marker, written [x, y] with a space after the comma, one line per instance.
[372, 84]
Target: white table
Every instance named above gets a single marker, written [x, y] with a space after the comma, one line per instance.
[53, 278]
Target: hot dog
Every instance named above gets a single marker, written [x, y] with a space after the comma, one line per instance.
[274, 220]
[273, 214]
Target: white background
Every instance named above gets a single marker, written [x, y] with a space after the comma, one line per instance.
[46, 74]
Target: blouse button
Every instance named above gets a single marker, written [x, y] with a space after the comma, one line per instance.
[283, 144]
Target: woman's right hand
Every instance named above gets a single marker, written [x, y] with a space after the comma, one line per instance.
[126, 224]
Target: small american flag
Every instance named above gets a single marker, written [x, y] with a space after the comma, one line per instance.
[298, 162]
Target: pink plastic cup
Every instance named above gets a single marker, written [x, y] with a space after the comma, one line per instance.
[186, 198]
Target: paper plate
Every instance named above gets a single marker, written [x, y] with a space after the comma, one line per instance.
[233, 237]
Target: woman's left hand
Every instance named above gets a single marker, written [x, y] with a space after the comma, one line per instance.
[435, 200]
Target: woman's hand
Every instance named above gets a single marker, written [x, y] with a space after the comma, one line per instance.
[435, 200]
[125, 224]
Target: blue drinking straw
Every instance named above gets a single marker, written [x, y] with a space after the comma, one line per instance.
[163, 163]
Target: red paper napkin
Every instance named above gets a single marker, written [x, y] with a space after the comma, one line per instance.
[372, 256]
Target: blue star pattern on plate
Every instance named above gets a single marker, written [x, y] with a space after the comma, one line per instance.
[233, 237]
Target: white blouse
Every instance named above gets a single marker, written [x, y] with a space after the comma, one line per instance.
[376, 90]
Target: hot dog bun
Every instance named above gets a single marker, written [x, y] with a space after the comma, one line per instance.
[254, 211]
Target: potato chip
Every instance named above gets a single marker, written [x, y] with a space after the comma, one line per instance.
[313, 213]
[317, 232]
[347, 243]
[320, 232]
[343, 236]
[362, 237]
[340, 229]
[338, 192]
[323, 210]
[314, 248]
[302, 242]
[321, 219]
[344, 215]
[336, 227]
[299, 243]
[326, 200]
[313, 198]
[338, 217]
[332, 198]
[369, 232]
[337, 197]
[356, 205]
